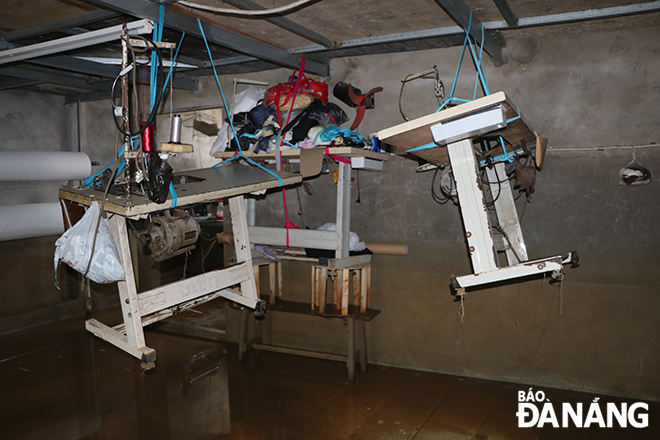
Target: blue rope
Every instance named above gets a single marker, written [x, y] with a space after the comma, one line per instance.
[508, 121]
[481, 77]
[504, 153]
[157, 36]
[291, 145]
[422, 147]
[175, 198]
[332, 131]
[231, 123]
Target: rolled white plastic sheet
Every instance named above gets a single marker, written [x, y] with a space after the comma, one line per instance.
[30, 220]
[44, 165]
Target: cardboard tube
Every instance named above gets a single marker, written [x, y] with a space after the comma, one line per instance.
[388, 248]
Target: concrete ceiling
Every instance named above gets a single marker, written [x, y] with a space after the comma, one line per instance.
[318, 30]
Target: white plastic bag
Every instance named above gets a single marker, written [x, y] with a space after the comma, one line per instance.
[354, 245]
[248, 99]
[74, 247]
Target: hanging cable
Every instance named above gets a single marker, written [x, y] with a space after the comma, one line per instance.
[252, 13]
[115, 109]
[439, 86]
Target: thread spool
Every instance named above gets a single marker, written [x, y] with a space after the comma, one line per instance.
[147, 139]
[175, 130]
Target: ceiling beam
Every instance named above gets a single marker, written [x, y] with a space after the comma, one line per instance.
[285, 23]
[461, 14]
[72, 98]
[506, 11]
[59, 25]
[175, 18]
[64, 44]
[14, 83]
[77, 65]
[452, 31]
[591, 14]
[52, 78]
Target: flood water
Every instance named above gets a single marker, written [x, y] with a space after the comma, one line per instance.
[57, 381]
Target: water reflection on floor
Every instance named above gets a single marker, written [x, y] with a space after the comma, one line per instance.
[58, 382]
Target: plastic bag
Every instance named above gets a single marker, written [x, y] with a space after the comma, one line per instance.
[354, 245]
[160, 176]
[74, 247]
[635, 174]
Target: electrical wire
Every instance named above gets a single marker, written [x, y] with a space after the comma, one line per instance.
[252, 13]
[439, 86]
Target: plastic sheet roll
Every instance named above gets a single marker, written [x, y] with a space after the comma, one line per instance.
[31, 220]
[43, 165]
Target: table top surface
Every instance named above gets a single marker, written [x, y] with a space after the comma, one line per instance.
[417, 132]
[293, 153]
[197, 186]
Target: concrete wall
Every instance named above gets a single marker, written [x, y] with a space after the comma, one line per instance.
[599, 331]
[32, 122]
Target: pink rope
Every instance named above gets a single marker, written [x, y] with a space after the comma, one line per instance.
[287, 223]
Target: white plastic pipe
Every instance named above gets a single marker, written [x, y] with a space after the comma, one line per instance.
[43, 165]
[30, 220]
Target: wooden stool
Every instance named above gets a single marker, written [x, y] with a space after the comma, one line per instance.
[361, 275]
[274, 277]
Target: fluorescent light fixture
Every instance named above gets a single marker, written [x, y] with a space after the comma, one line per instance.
[86, 39]
[469, 126]
[142, 61]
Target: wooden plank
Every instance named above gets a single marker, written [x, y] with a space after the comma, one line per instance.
[257, 281]
[117, 339]
[280, 283]
[323, 289]
[314, 284]
[128, 294]
[337, 287]
[352, 261]
[176, 293]
[299, 352]
[365, 287]
[176, 148]
[295, 153]
[302, 308]
[271, 281]
[356, 287]
[344, 291]
[368, 294]
[417, 132]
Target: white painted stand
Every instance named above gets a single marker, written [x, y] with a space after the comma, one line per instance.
[474, 211]
[142, 309]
